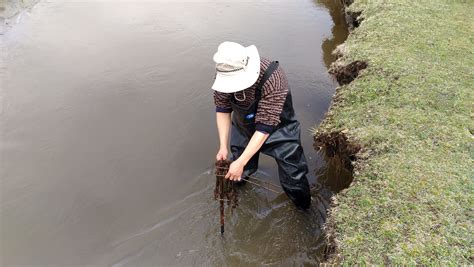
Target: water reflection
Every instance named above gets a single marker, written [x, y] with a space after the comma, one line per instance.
[339, 29]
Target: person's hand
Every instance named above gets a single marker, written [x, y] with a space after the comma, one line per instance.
[222, 154]
[236, 169]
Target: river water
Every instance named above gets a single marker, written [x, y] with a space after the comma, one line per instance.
[108, 132]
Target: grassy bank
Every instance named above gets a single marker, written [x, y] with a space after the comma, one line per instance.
[411, 110]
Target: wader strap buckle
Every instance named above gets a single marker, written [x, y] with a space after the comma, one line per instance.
[268, 72]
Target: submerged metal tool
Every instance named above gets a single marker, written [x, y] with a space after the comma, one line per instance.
[258, 182]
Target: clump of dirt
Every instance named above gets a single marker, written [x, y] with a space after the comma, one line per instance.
[336, 144]
[345, 74]
[340, 154]
[353, 19]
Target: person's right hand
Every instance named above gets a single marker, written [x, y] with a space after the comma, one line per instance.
[222, 154]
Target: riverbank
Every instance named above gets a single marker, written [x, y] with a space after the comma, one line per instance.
[404, 128]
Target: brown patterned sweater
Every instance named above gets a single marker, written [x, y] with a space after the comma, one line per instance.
[270, 106]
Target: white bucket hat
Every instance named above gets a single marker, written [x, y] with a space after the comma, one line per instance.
[237, 67]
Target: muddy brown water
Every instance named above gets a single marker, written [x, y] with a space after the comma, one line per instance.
[108, 133]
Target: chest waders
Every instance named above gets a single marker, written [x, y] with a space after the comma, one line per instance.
[283, 144]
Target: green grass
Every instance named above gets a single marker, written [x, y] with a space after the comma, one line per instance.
[412, 109]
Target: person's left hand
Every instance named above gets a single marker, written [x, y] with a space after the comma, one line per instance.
[236, 169]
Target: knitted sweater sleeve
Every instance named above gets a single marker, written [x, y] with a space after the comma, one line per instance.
[222, 102]
[273, 98]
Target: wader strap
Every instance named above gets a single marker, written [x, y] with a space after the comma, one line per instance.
[268, 72]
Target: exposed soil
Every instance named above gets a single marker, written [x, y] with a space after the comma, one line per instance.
[338, 151]
[345, 74]
[336, 144]
[353, 19]
[351, 240]
[340, 155]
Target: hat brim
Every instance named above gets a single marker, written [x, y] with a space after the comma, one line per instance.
[234, 82]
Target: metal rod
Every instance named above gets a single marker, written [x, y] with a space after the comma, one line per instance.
[257, 184]
[263, 181]
[314, 187]
[222, 216]
[255, 178]
[271, 190]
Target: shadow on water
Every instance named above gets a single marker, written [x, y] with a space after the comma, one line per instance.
[335, 176]
[340, 30]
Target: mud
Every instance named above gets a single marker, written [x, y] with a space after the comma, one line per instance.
[345, 74]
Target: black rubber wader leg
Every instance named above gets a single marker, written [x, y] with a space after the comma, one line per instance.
[285, 146]
[238, 143]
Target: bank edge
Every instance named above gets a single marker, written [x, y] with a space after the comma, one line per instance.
[401, 121]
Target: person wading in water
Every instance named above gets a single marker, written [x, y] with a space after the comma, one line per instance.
[256, 92]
